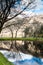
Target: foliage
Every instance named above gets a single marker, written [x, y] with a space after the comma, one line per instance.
[39, 33]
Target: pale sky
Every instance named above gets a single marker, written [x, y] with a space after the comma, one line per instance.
[37, 10]
[28, 12]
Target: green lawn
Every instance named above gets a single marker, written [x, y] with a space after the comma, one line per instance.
[4, 61]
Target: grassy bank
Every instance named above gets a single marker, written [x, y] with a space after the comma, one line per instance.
[4, 61]
[24, 39]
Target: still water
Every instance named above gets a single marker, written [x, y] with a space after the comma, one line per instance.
[22, 59]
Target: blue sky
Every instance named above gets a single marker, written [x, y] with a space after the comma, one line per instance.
[37, 10]
[39, 7]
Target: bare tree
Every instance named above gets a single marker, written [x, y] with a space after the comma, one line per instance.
[5, 6]
[5, 9]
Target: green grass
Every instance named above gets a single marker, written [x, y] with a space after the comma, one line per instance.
[4, 61]
[23, 39]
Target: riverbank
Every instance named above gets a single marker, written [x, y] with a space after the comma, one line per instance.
[3, 60]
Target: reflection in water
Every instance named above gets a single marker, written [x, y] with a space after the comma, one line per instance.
[22, 59]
